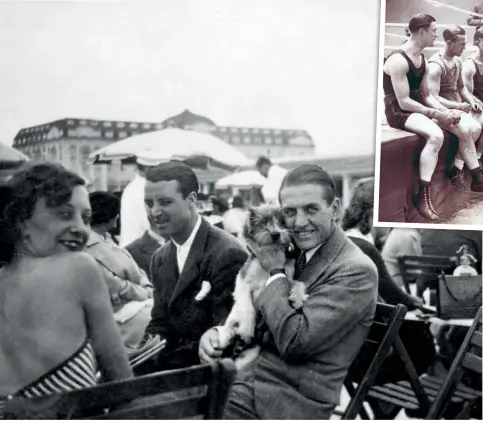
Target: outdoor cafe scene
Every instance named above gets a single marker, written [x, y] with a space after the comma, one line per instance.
[218, 261]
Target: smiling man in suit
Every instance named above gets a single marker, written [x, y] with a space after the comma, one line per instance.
[303, 361]
[194, 273]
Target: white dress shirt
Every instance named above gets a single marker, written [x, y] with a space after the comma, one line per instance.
[182, 250]
[134, 218]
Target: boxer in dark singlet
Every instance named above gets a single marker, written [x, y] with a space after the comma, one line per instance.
[473, 78]
[446, 86]
[410, 106]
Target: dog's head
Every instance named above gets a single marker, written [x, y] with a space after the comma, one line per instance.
[265, 227]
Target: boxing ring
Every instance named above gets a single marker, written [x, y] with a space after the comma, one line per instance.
[400, 150]
[391, 29]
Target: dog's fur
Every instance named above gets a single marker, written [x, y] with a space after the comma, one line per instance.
[265, 232]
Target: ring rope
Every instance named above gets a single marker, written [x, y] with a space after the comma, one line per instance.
[436, 3]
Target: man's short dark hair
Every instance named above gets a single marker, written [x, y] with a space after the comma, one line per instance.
[421, 20]
[175, 170]
[478, 34]
[452, 32]
[263, 160]
[310, 174]
[105, 206]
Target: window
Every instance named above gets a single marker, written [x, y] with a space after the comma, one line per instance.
[121, 124]
[107, 124]
[122, 134]
[109, 134]
[133, 125]
[146, 126]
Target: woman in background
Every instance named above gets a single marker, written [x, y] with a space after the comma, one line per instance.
[56, 322]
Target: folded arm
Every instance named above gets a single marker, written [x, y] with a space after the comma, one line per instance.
[332, 310]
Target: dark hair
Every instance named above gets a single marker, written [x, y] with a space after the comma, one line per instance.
[238, 202]
[19, 195]
[221, 203]
[451, 33]
[175, 170]
[420, 21]
[263, 160]
[478, 34]
[105, 206]
[310, 174]
[359, 212]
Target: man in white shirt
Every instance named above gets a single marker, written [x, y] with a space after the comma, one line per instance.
[274, 175]
[306, 353]
[194, 273]
[134, 218]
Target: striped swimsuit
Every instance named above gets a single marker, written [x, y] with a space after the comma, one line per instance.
[77, 372]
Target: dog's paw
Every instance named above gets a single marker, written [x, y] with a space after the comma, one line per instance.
[298, 295]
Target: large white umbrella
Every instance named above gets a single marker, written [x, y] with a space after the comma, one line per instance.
[242, 179]
[195, 148]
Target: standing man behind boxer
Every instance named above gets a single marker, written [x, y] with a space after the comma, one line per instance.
[473, 76]
[410, 106]
[447, 86]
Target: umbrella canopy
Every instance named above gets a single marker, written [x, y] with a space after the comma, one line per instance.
[10, 157]
[242, 179]
[197, 149]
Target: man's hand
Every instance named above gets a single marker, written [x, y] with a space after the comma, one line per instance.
[465, 107]
[476, 107]
[446, 117]
[270, 259]
[210, 348]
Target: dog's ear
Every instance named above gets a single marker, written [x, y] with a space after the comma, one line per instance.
[252, 215]
[249, 222]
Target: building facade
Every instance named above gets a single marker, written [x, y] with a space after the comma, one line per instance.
[71, 141]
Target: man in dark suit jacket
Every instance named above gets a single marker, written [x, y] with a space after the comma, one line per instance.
[194, 273]
[302, 365]
[143, 248]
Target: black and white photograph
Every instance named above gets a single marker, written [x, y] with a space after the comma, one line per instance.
[189, 198]
[430, 105]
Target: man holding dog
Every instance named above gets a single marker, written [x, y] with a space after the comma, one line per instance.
[302, 365]
[193, 273]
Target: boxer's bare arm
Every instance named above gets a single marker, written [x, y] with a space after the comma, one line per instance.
[469, 70]
[435, 73]
[397, 67]
[465, 93]
[428, 98]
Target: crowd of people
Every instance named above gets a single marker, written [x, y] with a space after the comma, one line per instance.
[443, 93]
[76, 303]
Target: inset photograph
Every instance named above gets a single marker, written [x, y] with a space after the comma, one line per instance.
[430, 114]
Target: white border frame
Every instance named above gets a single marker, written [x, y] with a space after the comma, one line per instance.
[379, 111]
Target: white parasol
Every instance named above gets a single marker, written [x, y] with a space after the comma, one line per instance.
[242, 179]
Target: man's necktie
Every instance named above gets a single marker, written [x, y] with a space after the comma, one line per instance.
[300, 265]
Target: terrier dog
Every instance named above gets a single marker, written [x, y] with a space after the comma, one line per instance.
[263, 231]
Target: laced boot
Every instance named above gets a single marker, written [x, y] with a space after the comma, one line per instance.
[457, 178]
[422, 201]
[477, 182]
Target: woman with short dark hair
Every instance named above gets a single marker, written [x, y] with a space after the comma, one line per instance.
[56, 319]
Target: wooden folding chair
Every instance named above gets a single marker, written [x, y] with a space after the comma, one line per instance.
[377, 346]
[199, 391]
[468, 357]
[421, 393]
[423, 269]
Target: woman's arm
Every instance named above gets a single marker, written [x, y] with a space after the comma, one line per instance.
[102, 330]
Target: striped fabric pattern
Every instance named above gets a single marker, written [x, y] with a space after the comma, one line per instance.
[78, 372]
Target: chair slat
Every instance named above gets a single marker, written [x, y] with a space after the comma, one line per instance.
[472, 362]
[179, 409]
[476, 339]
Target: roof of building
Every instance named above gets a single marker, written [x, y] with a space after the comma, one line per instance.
[116, 130]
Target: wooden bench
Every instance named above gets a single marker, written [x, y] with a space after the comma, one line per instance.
[199, 392]
[399, 175]
[424, 270]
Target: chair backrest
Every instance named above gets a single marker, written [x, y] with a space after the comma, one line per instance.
[378, 344]
[425, 268]
[468, 357]
[117, 400]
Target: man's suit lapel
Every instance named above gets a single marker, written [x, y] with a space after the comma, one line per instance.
[191, 270]
[323, 257]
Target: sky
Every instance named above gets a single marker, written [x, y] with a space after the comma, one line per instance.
[295, 64]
